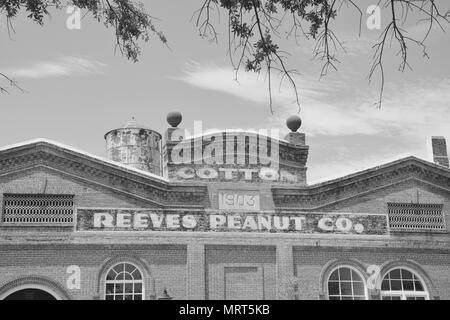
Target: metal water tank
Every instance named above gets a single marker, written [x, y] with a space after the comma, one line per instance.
[136, 146]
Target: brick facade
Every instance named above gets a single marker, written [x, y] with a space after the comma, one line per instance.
[215, 265]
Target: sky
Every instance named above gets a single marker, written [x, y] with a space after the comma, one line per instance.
[78, 87]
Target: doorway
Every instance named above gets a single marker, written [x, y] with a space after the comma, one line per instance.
[30, 294]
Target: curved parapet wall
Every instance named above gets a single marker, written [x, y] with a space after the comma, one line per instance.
[228, 156]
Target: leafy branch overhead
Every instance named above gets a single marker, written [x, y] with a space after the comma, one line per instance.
[253, 24]
[129, 19]
[254, 28]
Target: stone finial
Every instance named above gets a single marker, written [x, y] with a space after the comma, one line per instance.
[293, 123]
[173, 133]
[174, 118]
[296, 138]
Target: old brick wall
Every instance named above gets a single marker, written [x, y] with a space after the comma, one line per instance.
[218, 257]
[166, 265]
[410, 191]
[310, 262]
[87, 194]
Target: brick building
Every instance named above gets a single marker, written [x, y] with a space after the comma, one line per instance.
[225, 215]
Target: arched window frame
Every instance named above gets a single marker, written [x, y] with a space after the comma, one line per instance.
[141, 281]
[363, 279]
[35, 282]
[402, 294]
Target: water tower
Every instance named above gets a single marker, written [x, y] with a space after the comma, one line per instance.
[136, 146]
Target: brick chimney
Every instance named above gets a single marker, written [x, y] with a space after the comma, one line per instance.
[439, 147]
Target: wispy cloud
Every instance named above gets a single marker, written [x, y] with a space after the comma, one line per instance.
[65, 67]
[253, 87]
[333, 107]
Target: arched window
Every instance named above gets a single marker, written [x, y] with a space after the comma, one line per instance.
[124, 282]
[402, 284]
[345, 283]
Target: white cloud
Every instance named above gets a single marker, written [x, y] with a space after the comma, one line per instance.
[254, 87]
[68, 66]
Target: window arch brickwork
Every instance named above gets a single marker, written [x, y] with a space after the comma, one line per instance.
[147, 279]
[54, 288]
[414, 267]
[333, 265]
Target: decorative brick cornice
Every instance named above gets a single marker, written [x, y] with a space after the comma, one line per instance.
[162, 193]
[158, 191]
[321, 195]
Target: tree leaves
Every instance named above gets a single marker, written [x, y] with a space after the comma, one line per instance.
[252, 25]
[128, 18]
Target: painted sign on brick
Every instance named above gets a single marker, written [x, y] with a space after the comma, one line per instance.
[89, 219]
[231, 156]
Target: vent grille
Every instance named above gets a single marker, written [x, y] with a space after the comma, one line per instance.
[416, 217]
[37, 209]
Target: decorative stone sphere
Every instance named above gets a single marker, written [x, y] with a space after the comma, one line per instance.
[174, 118]
[293, 123]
